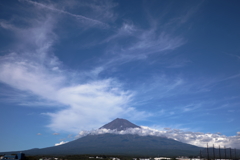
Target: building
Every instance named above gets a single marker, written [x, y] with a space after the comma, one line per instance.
[114, 158]
[19, 156]
[160, 158]
[144, 158]
[183, 158]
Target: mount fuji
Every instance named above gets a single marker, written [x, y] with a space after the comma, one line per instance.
[119, 125]
[120, 144]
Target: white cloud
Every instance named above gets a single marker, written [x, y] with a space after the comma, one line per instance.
[102, 10]
[60, 143]
[151, 43]
[55, 133]
[88, 104]
[194, 138]
[126, 30]
[83, 104]
[39, 134]
[92, 22]
[142, 43]
[40, 103]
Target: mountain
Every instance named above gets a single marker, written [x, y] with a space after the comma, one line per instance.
[117, 144]
[113, 144]
[119, 125]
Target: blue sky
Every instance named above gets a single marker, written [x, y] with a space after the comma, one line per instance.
[72, 66]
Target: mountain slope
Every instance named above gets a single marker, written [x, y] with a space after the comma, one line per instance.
[113, 144]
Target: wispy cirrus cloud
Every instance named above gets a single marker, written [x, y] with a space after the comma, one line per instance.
[103, 10]
[142, 43]
[54, 9]
[36, 71]
[84, 104]
[160, 37]
[80, 113]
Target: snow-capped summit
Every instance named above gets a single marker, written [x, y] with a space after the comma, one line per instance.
[119, 125]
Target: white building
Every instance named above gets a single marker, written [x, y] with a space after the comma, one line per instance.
[144, 158]
[183, 158]
[160, 158]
